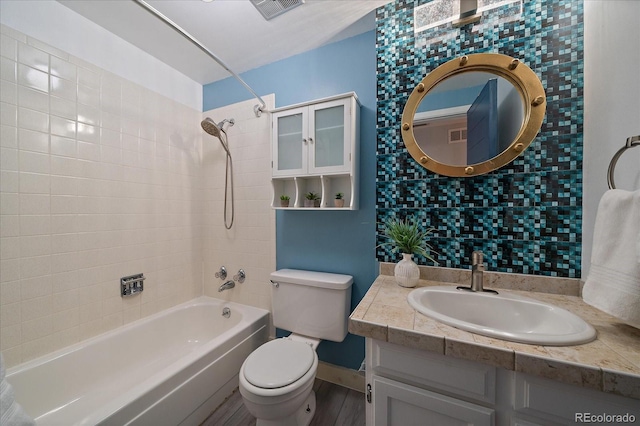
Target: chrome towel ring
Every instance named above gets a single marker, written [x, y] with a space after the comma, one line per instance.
[631, 142]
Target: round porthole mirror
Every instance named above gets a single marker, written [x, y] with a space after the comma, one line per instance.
[473, 114]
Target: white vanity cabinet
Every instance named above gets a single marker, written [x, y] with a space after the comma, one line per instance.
[544, 402]
[315, 148]
[408, 387]
[397, 403]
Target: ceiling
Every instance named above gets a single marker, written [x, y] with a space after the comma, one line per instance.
[233, 30]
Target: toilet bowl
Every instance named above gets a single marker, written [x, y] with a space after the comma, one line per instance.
[276, 382]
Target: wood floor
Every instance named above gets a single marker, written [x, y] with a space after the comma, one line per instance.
[335, 405]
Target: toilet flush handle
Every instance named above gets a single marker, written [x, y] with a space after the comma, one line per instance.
[275, 284]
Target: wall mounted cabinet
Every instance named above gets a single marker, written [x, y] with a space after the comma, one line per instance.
[315, 148]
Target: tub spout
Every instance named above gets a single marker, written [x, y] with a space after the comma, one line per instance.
[227, 286]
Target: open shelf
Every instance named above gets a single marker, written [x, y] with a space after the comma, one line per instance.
[326, 186]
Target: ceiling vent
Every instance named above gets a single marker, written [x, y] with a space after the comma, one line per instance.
[272, 8]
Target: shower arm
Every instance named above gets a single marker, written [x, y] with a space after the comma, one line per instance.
[257, 109]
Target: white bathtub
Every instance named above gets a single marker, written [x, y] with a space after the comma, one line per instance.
[171, 368]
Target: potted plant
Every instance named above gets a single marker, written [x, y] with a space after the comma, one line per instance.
[284, 201]
[407, 238]
[339, 201]
[311, 200]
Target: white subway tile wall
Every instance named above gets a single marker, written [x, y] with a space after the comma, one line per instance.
[101, 178]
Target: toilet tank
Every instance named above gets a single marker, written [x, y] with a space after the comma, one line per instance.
[315, 304]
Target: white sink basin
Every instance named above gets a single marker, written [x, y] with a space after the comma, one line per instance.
[502, 316]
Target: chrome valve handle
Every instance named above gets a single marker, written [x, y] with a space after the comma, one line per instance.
[240, 276]
[222, 273]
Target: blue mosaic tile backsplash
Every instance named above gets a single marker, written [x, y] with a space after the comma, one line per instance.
[525, 217]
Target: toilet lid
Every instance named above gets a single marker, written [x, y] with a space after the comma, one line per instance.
[278, 363]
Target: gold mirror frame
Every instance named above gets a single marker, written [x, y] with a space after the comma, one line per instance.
[517, 73]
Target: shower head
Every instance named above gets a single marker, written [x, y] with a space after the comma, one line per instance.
[209, 126]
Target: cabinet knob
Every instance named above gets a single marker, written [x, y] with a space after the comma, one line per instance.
[310, 140]
[304, 141]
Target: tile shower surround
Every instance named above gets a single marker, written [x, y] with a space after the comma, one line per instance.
[101, 178]
[527, 216]
[250, 244]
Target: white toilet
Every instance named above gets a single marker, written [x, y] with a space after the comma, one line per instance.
[276, 380]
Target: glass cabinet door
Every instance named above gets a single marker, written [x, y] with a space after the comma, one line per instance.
[290, 147]
[314, 149]
[329, 142]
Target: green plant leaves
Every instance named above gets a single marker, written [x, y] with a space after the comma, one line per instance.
[407, 237]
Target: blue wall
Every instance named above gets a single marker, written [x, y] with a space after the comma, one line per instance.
[330, 241]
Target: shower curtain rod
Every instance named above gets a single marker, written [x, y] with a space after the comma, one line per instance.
[257, 109]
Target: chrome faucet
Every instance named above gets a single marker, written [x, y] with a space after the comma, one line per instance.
[226, 286]
[477, 269]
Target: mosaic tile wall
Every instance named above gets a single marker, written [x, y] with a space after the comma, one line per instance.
[525, 217]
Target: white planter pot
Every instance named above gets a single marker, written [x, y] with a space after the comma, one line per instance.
[406, 272]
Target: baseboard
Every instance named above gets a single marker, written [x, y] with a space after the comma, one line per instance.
[342, 376]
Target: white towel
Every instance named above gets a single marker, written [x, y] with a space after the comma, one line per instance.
[613, 284]
[11, 413]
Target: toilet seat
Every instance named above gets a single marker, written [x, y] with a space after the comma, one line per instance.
[278, 363]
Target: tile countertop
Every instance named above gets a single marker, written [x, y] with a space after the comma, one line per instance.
[611, 363]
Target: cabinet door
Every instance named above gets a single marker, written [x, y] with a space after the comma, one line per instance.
[330, 139]
[399, 404]
[560, 403]
[290, 142]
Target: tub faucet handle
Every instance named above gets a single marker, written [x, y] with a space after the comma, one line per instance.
[222, 273]
[240, 276]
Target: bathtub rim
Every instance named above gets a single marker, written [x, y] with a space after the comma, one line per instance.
[252, 316]
[200, 300]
